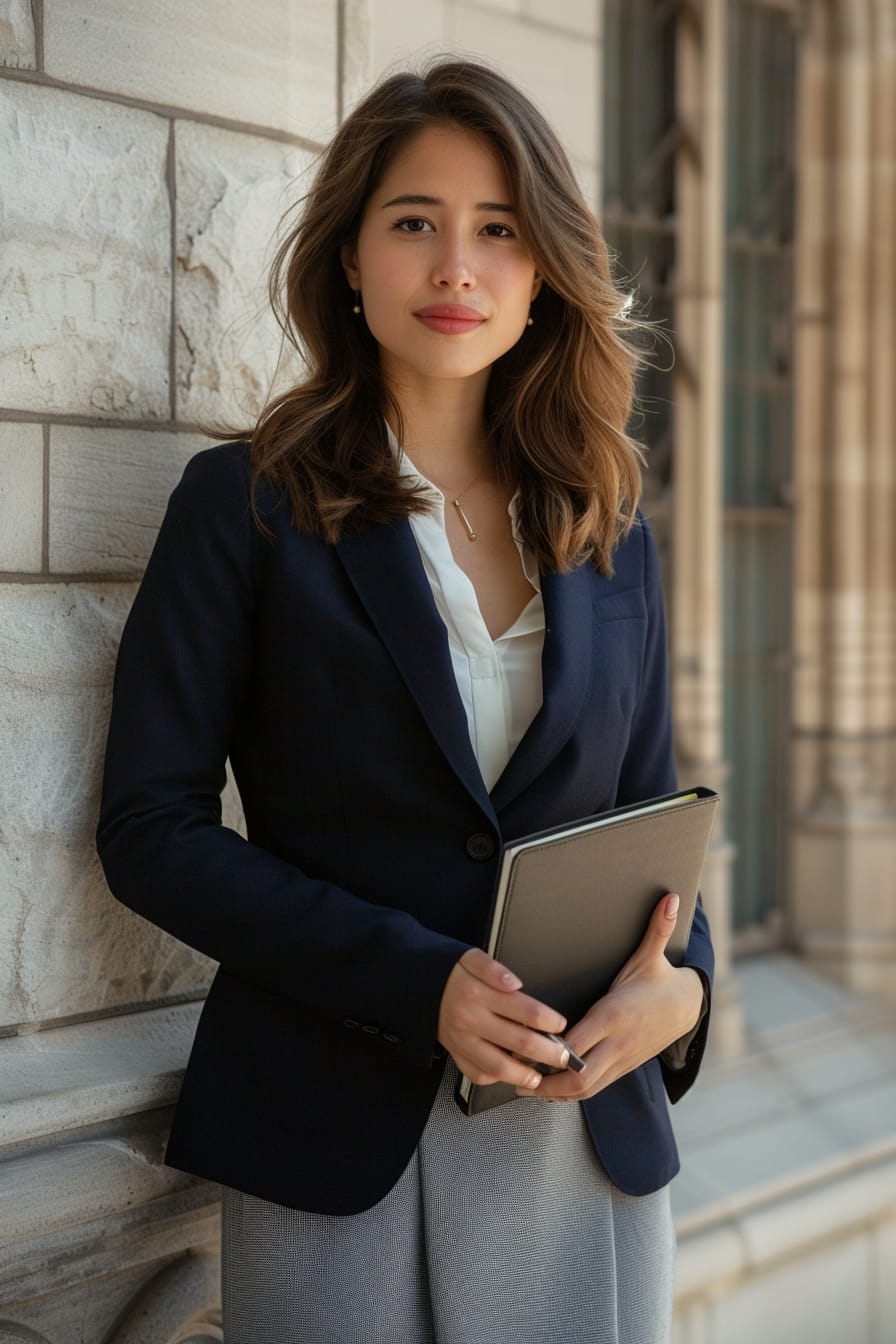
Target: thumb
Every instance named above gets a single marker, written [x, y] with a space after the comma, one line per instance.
[663, 920]
[483, 967]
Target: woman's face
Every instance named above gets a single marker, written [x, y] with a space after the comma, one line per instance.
[445, 279]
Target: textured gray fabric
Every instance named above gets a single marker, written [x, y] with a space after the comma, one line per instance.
[503, 1229]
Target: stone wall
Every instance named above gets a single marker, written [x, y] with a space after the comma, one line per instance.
[147, 152]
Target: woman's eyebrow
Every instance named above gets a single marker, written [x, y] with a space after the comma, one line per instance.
[436, 200]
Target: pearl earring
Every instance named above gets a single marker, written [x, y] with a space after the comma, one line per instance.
[357, 307]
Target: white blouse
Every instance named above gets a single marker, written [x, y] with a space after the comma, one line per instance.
[499, 680]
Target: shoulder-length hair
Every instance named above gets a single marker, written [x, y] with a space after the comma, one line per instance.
[557, 402]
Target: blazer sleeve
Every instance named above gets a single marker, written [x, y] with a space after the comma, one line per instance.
[183, 671]
[648, 770]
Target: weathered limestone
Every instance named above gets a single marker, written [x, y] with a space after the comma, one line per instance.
[96, 1235]
[108, 491]
[404, 30]
[274, 69]
[17, 48]
[232, 191]
[98, 1219]
[85, 282]
[70, 1078]
[98, 1240]
[21, 497]
[69, 948]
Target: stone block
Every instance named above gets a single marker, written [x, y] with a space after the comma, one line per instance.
[70, 1078]
[577, 16]
[85, 240]
[232, 191]
[402, 30]
[557, 70]
[275, 65]
[66, 947]
[822, 1297]
[21, 497]
[108, 492]
[17, 47]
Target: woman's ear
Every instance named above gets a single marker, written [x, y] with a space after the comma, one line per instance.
[349, 258]
[536, 286]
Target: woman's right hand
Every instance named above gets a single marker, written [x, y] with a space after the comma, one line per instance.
[485, 1022]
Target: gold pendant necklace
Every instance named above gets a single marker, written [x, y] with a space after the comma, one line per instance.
[456, 504]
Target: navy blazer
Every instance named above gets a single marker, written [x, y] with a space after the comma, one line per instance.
[323, 672]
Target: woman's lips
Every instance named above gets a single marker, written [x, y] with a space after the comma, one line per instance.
[451, 319]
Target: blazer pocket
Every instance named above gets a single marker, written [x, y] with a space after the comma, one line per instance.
[625, 606]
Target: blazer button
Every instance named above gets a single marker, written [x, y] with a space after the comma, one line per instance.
[480, 846]
[370, 1028]
[351, 1022]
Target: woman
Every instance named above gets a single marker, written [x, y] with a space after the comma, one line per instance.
[419, 613]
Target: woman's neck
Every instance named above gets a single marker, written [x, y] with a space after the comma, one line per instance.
[443, 431]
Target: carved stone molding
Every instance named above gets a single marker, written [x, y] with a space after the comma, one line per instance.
[177, 1306]
[842, 908]
[10, 1333]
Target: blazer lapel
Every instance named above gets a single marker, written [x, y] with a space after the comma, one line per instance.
[385, 569]
[566, 675]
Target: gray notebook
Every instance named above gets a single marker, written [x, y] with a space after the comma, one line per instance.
[572, 904]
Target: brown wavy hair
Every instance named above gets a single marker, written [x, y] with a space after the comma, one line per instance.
[557, 402]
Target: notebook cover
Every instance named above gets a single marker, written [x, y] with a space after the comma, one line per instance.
[577, 902]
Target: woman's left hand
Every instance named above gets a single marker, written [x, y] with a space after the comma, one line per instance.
[650, 1004]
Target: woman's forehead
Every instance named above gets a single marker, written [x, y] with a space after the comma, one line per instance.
[442, 157]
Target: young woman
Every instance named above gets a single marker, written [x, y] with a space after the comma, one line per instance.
[419, 612]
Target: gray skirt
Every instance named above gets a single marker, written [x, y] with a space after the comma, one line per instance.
[503, 1229]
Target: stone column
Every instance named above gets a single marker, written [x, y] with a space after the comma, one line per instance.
[843, 898]
[696, 635]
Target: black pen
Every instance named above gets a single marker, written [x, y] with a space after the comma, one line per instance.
[575, 1063]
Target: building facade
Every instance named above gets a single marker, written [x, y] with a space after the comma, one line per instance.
[743, 157]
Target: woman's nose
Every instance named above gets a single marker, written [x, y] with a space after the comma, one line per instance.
[453, 268]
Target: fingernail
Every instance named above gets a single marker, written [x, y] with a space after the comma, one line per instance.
[535, 1080]
[672, 906]
[513, 981]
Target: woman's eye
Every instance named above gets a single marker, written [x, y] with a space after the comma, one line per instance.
[499, 231]
[415, 225]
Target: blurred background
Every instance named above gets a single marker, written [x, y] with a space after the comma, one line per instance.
[742, 157]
